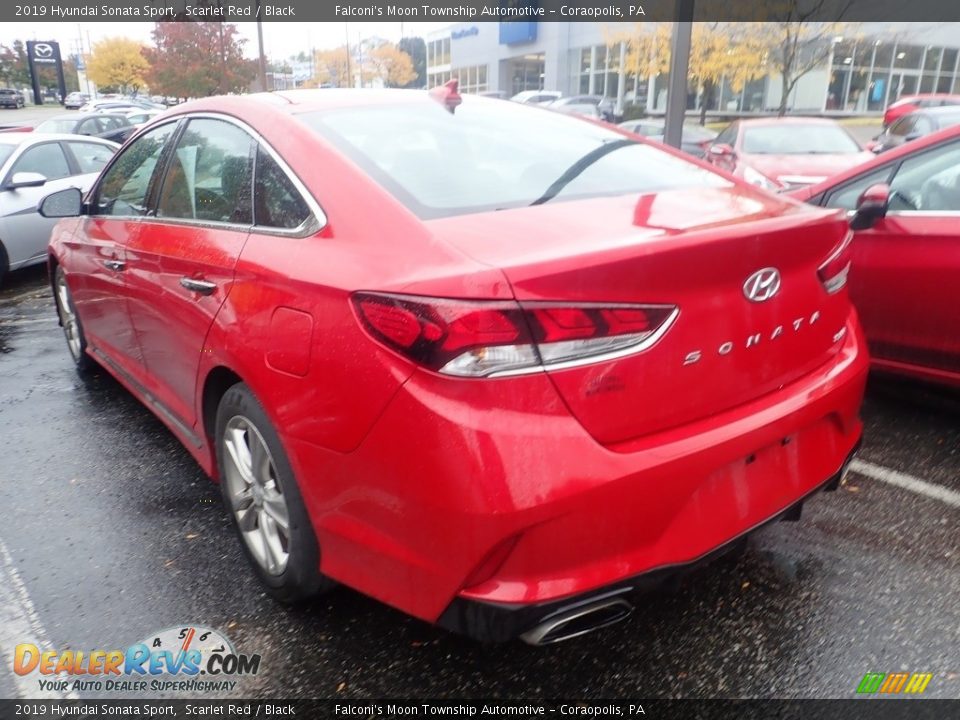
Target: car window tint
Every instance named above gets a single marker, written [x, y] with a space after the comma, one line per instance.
[902, 126]
[91, 157]
[88, 127]
[442, 164]
[278, 203]
[928, 182]
[798, 139]
[846, 196]
[123, 190]
[47, 159]
[728, 136]
[210, 174]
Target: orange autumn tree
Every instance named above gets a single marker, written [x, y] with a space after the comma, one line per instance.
[718, 51]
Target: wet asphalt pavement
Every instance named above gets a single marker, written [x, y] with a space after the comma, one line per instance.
[115, 533]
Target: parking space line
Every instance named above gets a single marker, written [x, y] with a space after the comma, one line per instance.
[19, 623]
[907, 482]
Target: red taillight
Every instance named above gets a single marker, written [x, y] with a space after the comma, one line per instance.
[479, 339]
[835, 269]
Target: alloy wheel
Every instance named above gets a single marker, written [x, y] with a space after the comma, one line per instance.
[256, 497]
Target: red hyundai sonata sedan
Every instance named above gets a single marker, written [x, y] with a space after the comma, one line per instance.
[495, 366]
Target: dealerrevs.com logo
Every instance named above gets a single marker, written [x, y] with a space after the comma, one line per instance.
[190, 658]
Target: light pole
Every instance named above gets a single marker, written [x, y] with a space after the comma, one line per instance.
[679, 65]
[262, 61]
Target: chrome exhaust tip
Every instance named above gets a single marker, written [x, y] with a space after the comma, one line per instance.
[573, 622]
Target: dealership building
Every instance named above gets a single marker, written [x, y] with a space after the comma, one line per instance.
[864, 71]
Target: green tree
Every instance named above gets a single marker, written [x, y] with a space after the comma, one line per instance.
[198, 59]
[416, 48]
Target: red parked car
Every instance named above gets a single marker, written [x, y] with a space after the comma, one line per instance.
[909, 103]
[906, 253]
[785, 153]
[486, 367]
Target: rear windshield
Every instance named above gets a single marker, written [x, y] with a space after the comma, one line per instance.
[797, 139]
[491, 155]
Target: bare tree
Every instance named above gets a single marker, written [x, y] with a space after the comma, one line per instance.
[799, 41]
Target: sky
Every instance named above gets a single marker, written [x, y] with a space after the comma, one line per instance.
[281, 40]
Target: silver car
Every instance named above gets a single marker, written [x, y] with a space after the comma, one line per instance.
[32, 166]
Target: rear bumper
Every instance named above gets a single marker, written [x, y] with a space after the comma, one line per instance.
[500, 622]
[472, 506]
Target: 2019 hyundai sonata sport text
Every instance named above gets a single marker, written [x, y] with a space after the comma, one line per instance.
[492, 365]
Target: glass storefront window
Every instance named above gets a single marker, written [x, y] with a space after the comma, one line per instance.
[883, 57]
[857, 95]
[949, 61]
[908, 57]
[932, 61]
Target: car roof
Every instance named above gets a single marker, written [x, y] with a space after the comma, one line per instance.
[294, 102]
[925, 96]
[950, 133]
[936, 111]
[758, 122]
[26, 137]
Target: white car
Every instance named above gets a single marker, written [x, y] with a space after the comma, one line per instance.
[32, 166]
[537, 97]
[140, 116]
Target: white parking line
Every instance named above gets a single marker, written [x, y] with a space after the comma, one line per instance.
[907, 482]
[19, 624]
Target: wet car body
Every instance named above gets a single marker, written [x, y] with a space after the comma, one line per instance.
[904, 267]
[785, 153]
[482, 391]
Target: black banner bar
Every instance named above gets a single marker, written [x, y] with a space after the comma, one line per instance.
[860, 709]
[453, 11]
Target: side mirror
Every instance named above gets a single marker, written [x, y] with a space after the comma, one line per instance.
[25, 180]
[722, 150]
[65, 203]
[871, 207]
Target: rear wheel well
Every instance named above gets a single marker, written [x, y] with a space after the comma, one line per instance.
[4, 260]
[218, 381]
[52, 273]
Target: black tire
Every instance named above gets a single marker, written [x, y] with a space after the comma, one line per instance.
[70, 322]
[242, 415]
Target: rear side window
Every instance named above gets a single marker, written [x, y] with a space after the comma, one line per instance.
[210, 174]
[90, 126]
[47, 159]
[91, 157]
[903, 126]
[489, 155]
[278, 203]
[728, 136]
[123, 190]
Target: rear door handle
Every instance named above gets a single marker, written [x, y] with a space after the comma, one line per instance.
[117, 265]
[204, 287]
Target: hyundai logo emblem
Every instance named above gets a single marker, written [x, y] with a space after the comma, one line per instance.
[43, 50]
[762, 285]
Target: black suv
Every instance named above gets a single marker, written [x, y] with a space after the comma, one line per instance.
[11, 98]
